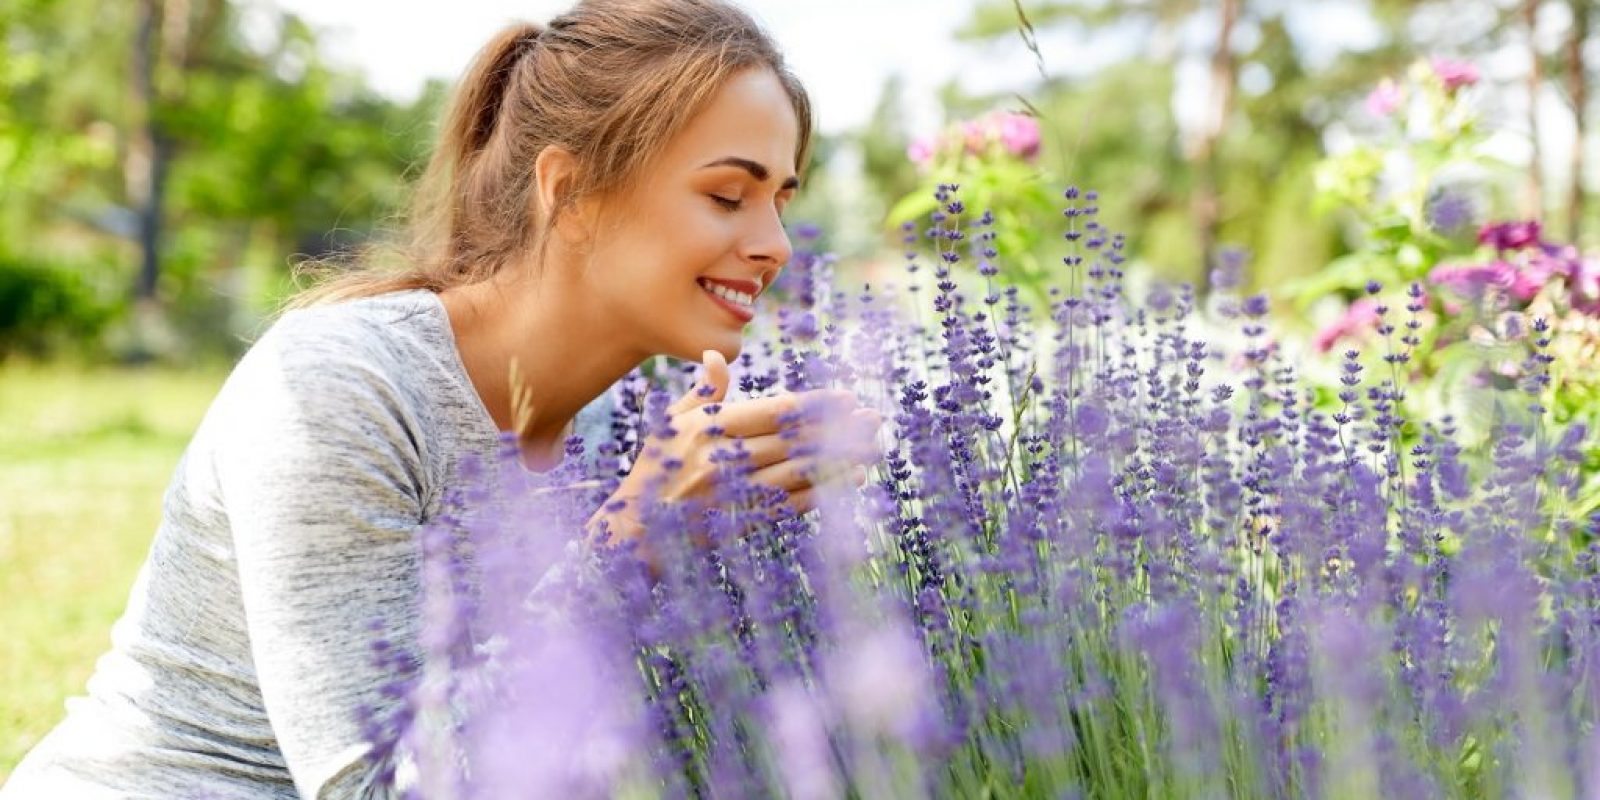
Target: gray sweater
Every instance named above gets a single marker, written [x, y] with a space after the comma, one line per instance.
[287, 528]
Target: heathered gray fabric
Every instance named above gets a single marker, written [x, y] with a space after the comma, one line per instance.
[288, 525]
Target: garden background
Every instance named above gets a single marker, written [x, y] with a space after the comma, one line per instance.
[162, 162]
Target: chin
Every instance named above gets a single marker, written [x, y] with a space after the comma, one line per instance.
[729, 343]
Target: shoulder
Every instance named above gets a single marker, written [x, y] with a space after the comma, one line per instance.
[360, 362]
[384, 342]
[370, 328]
[324, 397]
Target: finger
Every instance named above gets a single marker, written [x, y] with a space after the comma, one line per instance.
[755, 417]
[803, 500]
[796, 503]
[853, 438]
[761, 451]
[764, 415]
[798, 473]
[857, 441]
[711, 387]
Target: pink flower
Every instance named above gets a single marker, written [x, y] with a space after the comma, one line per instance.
[1454, 74]
[1514, 235]
[1584, 285]
[1362, 315]
[1520, 282]
[1384, 98]
[1526, 282]
[922, 150]
[1019, 134]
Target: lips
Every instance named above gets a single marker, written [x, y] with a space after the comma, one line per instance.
[742, 313]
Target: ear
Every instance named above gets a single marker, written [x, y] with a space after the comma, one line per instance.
[555, 173]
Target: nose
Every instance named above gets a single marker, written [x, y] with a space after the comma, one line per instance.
[768, 245]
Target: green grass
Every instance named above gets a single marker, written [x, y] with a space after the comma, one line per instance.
[85, 456]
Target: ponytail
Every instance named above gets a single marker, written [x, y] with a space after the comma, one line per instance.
[441, 204]
[476, 106]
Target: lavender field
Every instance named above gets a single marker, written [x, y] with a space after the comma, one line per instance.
[1235, 365]
[1103, 556]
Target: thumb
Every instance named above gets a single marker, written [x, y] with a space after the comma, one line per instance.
[712, 386]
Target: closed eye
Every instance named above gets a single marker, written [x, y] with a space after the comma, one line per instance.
[727, 203]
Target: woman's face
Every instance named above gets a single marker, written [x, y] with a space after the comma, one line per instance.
[707, 211]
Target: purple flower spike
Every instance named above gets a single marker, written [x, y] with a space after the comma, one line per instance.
[1229, 271]
[1105, 556]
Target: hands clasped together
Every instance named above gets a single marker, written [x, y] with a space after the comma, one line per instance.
[796, 441]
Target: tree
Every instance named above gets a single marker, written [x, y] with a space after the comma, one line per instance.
[150, 143]
[1577, 79]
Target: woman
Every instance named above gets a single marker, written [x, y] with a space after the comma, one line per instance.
[605, 189]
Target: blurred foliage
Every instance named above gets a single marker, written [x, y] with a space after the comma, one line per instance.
[84, 457]
[1425, 200]
[1116, 128]
[43, 308]
[264, 151]
[270, 151]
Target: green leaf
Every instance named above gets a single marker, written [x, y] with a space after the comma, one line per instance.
[916, 205]
[1346, 273]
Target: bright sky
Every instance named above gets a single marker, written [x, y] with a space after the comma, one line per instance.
[842, 49]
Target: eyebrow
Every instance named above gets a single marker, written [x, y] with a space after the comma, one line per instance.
[756, 169]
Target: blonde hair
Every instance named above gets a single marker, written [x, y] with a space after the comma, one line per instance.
[611, 81]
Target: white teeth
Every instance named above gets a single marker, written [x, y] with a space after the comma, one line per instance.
[722, 291]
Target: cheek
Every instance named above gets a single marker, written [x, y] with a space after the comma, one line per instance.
[691, 244]
[656, 259]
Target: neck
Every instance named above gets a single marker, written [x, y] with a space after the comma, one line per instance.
[564, 356]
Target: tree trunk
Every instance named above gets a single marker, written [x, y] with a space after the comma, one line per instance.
[1207, 200]
[1578, 90]
[150, 151]
[1533, 190]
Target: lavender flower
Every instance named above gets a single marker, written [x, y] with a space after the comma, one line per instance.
[1102, 554]
[1449, 210]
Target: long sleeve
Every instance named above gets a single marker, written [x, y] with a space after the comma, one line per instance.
[289, 530]
[320, 479]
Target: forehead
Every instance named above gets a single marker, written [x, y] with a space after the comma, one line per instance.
[750, 116]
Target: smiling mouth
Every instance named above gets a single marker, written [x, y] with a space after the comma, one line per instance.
[739, 304]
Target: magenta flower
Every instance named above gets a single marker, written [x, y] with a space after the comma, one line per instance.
[922, 150]
[1584, 284]
[1384, 98]
[1515, 235]
[1454, 74]
[1019, 134]
[1522, 282]
[1535, 275]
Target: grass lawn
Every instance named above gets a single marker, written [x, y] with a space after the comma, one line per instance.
[84, 458]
